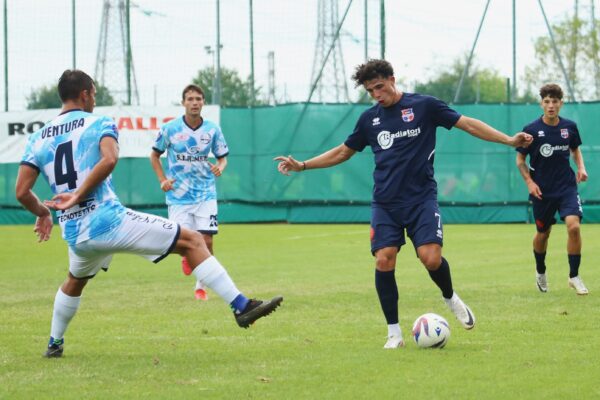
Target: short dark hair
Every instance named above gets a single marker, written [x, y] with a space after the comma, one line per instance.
[193, 88]
[372, 69]
[551, 90]
[72, 82]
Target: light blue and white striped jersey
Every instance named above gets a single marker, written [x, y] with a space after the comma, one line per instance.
[187, 154]
[65, 150]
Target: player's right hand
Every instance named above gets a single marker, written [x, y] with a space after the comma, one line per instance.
[167, 185]
[534, 190]
[63, 201]
[287, 164]
[43, 227]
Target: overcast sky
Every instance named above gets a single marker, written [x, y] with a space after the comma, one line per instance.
[169, 39]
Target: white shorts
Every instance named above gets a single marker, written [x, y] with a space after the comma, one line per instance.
[143, 234]
[201, 217]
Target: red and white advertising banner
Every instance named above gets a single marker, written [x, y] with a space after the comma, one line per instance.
[137, 127]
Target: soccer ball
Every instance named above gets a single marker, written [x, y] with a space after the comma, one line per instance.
[431, 331]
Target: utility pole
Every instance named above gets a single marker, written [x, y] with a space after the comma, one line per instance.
[252, 89]
[74, 41]
[5, 56]
[514, 43]
[217, 95]
[272, 99]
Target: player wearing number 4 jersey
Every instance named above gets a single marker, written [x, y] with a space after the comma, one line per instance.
[76, 153]
[190, 180]
[401, 130]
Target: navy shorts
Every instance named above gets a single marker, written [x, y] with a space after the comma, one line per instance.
[423, 224]
[545, 209]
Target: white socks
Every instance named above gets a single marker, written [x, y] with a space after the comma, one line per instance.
[65, 308]
[212, 274]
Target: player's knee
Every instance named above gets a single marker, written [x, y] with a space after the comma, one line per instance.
[431, 261]
[573, 230]
[385, 261]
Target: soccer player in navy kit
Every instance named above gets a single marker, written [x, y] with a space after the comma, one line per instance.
[552, 184]
[401, 131]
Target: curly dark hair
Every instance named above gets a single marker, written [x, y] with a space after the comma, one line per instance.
[551, 90]
[372, 69]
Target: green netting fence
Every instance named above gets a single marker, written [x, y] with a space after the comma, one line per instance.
[477, 181]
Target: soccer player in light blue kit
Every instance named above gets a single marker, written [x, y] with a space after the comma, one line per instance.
[76, 153]
[401, 131]
[190, 181]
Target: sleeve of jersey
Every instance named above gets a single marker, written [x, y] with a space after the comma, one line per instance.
[29, 156]
[525, 150]
[219, 145]
[109, 128]
[160, 143]
[358, 138]
[575, 141]
[443, 115]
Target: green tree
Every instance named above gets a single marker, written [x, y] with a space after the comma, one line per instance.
[234, 91]
[578, 45]
[480, 85]
[47, 97]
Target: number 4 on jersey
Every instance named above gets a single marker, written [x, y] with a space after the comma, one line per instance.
[64, 159]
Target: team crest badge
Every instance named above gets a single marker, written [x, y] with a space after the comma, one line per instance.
[407, 115]
[564, 133]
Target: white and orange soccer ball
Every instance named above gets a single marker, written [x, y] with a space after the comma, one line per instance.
[431, 331]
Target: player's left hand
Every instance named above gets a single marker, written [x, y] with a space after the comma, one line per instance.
[582, 175]
[43, 227]
[521, 139]
[63, 201]
[215, 169]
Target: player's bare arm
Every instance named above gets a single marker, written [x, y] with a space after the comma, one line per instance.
[483, 131]
[532, 187]
[165, 184]
[109, 150]
[335, 156]
[25, 180]
[582, 175]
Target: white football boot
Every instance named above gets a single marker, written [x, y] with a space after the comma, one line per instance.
[463, 313]
[542, 283]
[393, 342]
[577, 284]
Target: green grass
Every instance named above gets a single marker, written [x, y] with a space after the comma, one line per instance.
[140, 334]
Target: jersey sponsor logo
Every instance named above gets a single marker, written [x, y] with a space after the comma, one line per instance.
[78, 211]
[564, 133]
[376, 121]
[541, 134]
[205, 138]
[547, 150]
[386, 139]
[190, 158]
[407, 114]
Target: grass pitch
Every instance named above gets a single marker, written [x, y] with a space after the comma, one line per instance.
[140, 334]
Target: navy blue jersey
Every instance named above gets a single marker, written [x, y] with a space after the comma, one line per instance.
[549, 156]
[402, 138]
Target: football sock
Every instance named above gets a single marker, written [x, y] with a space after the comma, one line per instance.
[65, 308]
[442, 279]
[385, 283]
[574, 261]
[540, 262]
[199, 285]
[394, 330]
[212, 274]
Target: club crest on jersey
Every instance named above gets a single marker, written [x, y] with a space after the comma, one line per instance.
[564, 133]
[407, 114]
[541, 134]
